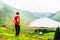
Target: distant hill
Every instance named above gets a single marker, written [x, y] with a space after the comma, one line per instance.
[50, 15]
[57, 16]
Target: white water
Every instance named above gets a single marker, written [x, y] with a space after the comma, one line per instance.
[44, 22]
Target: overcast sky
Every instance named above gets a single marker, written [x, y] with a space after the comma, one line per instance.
[35, 5]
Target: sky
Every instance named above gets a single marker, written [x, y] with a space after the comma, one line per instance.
[51, 6]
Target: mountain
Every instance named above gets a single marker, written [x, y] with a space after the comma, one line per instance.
[7, 13]
[57, 16]
[41, 15]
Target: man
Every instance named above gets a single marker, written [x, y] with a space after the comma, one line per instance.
[17, 23]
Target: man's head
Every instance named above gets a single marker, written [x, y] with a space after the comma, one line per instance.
[17, 13]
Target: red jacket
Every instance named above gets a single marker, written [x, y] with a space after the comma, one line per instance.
[17, 19]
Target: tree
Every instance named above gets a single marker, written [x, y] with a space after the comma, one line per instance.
[57, 34]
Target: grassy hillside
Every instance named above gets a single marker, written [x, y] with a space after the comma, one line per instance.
[6, 34]
[7, 13]
[57, 16]
[7, 30]
[26, 18]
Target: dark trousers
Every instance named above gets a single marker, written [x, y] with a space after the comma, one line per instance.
[17, 27]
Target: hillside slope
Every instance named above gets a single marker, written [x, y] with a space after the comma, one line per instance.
[57, 16]
[6, 34]
[7, 13]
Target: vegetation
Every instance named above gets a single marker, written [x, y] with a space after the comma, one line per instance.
[57, 34]
[7, 29]
[6, 34]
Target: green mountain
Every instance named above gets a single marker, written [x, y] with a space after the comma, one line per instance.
[7, 13]
[57, 16]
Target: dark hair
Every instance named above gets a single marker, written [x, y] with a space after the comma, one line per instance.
[17, 13]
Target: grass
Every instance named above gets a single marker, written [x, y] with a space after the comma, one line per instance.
[6, 34]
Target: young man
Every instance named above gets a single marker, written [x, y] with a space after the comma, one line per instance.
[17, 23]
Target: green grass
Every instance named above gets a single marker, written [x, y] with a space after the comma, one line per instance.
[6, 34]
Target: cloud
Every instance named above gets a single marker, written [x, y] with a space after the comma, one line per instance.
[35, 5]
[1, 5]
